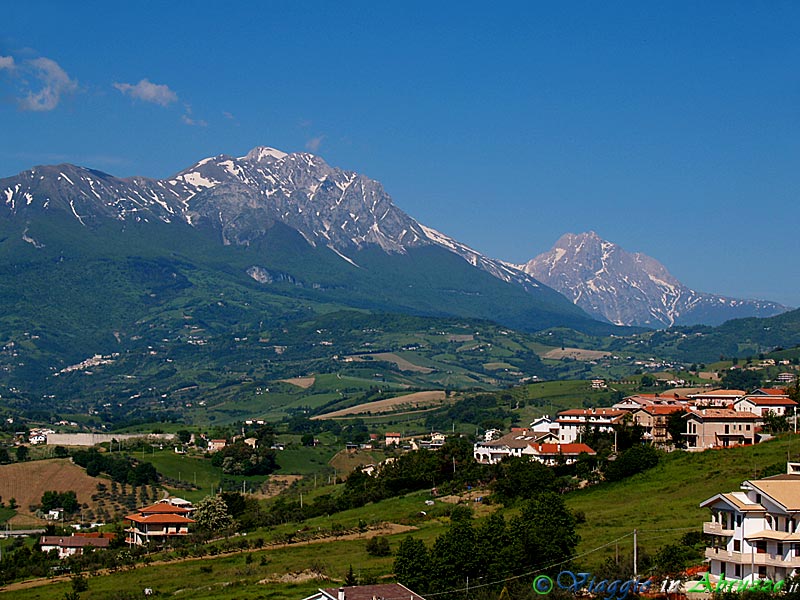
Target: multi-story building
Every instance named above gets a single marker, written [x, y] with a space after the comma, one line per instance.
[756, 531]
[157, 523]
[573, 422]
[767, 400]
[654, 421]
[720, 428]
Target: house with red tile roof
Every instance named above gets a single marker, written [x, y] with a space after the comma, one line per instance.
[572, 422]
[157, 523]
[762, 405]
[654, 420]
[381, 591]
[553, 454]
[511, 444]
[720, 428]
[755, 531]
[392, 438]
[717, 398]
[73, 545]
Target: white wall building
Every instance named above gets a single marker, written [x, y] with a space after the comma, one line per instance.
[756, 530]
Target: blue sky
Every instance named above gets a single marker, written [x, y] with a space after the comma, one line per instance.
[669, 128]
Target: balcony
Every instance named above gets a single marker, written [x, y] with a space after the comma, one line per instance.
[746, 558]
[712, 528]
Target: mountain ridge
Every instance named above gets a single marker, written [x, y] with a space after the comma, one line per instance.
[631, 288]
[241, 201]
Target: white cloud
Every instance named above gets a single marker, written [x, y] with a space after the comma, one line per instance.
[148, 92]
[314, 143]
[7, 62]
[54, 80]
[189, 120]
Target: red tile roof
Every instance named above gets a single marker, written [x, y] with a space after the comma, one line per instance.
[164, 508]
[382, 591]
[563, 449]
[772, 391]
[588, 412]
[160, 518]
[73, 541]
[723, 413]
[663, 409]
[770, 401]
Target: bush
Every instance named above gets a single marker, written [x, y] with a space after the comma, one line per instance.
[378, 546]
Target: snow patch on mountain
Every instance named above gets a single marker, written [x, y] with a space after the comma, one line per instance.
[632, 288]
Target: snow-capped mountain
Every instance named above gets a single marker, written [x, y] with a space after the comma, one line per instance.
[241, 199]
[632, 288]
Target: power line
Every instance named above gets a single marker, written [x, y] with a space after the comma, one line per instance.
[538, 570]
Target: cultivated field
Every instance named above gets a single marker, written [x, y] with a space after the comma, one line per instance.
[415, 401]
[26, 482]
[576, 353]
[391, 357]
[301, 382]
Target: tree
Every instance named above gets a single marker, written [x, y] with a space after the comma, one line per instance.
[632, 461]
[378, 546]
[4, 457]
[412, 564]
[741, 379]
[521, 478]
[544, 532]
[60, 452]
[212, 514]
[453, 557]
[350, 579]
[22, 453]
[676, 425]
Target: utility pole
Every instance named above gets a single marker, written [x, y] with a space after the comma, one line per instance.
[635, 555]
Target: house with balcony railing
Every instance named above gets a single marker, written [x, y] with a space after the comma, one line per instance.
[157, 523]
[756, 530]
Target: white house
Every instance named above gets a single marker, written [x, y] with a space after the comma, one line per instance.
[571, 422]
[71, 545]
[762, 405]
[380, 591]
[757, 529]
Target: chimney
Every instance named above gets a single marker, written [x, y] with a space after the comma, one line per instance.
[341, 594]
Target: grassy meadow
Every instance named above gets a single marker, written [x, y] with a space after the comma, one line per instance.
[662, 504]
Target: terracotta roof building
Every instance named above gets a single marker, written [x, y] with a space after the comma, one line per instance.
[382, 591]
[72, 545]
[720, 428]
[756, 531]
[158, 522]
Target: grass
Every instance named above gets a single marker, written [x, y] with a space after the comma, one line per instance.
[664, 503]
[6, 513]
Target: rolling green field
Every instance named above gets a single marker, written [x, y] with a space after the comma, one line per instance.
[662, 504]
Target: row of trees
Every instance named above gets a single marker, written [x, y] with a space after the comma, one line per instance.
[540, 538]
[121, 469]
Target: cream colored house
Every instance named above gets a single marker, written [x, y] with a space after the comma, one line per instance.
[756, 531]
[720, 428]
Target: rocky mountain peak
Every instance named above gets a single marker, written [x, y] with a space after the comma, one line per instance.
[264, 153]
[632, 288]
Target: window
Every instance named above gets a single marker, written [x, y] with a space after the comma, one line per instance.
[780, 549]
[737, 570]
[737, 545]
[761, 547]
[758, 498]
[739, 520]
[747, 427]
